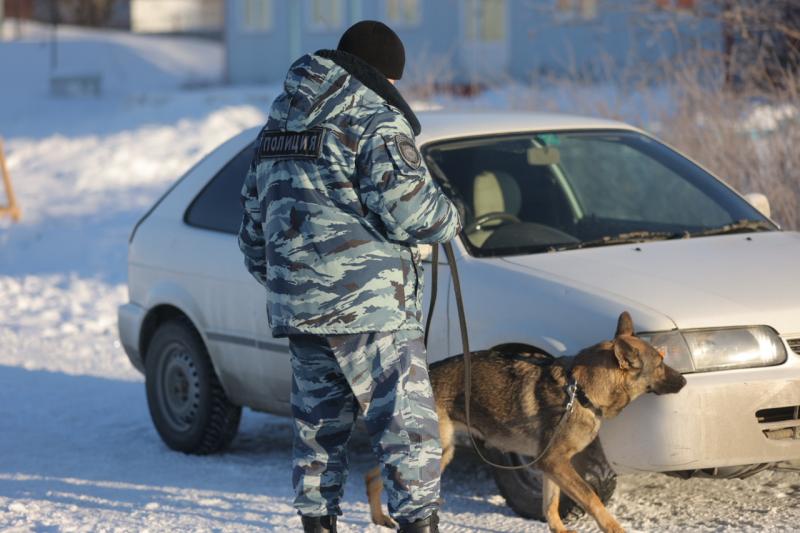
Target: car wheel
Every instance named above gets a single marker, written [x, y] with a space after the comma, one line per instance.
[188, 406]
[522, 489]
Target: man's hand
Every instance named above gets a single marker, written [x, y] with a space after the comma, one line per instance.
[454, 197]
[425, 250]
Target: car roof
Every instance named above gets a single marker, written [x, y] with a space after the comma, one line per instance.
[438, 125]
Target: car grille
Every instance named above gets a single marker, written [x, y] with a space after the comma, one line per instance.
[794, 344]
[779, 423]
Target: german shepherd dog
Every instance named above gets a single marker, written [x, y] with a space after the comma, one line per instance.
[524, 418]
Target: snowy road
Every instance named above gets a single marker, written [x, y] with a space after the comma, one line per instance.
[77, 449]
[79, 453]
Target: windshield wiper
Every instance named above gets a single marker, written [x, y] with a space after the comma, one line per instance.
[644, 236]
[622, 238]
[736, 227]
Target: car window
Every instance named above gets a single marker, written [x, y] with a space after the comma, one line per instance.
[613, 180]
[499, 186]
[218, 206]
[538, 192]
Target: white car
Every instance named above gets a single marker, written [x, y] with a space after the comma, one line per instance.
[569, 222]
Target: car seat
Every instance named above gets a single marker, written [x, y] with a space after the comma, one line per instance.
[493, 192]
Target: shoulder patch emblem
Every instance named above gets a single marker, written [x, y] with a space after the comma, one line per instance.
[408, 151]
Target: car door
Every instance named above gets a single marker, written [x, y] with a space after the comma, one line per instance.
[249, 362]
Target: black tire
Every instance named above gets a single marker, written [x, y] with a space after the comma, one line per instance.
[188, 406]
[522, 489]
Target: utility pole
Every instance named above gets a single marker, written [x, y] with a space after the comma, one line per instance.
[356, 11]
[54, 37]
[19, 20]
[295, 31]
[18, 25]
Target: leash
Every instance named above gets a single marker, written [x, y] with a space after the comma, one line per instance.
[572, 385]
[435, 289]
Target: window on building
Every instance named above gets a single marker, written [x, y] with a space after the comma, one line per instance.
[325, 15]
[588, 9]
[565, 7]
[566, 10]
[485, 20]
[403, 12]
[218, 206]
[257, 15]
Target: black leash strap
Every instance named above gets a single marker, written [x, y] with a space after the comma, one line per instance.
[462, 322]
[434, 288]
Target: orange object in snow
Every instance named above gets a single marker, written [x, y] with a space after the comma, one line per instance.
[11, 208]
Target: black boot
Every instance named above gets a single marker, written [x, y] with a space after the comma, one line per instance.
[425, 525]
[319, 524]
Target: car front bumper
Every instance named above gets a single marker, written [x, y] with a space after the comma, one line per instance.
[712, 422]
[129, 321]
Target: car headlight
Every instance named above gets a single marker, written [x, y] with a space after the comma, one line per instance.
[702, 350]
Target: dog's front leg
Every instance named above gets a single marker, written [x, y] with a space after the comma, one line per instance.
[374, 488]
[550, 497]
[576, 488]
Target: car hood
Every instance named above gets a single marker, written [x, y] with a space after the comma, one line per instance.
[725, 280]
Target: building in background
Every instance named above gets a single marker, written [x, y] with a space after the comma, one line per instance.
[471, 41]
[177, 16]
[196, 17]
[98, 13]
[17, 9]
[455, 43]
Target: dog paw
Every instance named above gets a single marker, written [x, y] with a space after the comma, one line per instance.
[384, 521]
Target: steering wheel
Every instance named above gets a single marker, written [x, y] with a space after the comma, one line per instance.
[477, 224]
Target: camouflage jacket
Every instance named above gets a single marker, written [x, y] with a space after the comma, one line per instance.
[337, 199]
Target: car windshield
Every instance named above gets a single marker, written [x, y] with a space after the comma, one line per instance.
[538, 192]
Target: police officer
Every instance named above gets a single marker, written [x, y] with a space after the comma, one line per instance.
[336, 201]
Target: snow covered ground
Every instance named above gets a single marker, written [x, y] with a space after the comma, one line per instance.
[77, 449]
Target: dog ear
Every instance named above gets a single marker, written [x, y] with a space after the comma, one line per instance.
[628, 356]
[624, 325]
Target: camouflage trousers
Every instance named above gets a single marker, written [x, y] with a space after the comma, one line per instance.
[383, 375]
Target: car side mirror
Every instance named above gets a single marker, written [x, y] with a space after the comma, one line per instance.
[760, 202]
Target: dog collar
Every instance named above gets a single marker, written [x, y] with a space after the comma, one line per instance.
[574, 391]
[586, 402]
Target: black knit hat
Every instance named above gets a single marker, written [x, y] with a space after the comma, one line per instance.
[378, 45]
